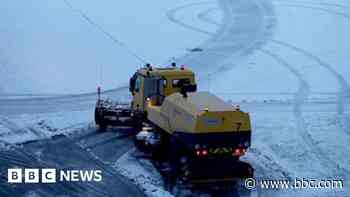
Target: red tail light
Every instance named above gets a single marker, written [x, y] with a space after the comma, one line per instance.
[239, 152]
[202, 153]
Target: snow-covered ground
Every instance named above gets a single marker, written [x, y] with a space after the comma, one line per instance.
[284, 61]
[142, 173]
[29, 127]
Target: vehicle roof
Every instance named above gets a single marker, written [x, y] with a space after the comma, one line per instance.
[166, 72]
[196, 102]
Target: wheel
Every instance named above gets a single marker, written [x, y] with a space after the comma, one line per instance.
[101, 123]
[97, 117]
[102, 126]
[139, 145]
[158, 153]
[185, 168]
[137, 123]
[99, 120]
[177, 167]
[178, 177]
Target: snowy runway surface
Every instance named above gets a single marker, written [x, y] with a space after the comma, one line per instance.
[284, 61]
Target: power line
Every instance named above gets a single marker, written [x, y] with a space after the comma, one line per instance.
[106, 33]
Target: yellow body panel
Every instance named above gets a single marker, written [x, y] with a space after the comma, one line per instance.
[228, 121]
[199, 112]
[193, 115]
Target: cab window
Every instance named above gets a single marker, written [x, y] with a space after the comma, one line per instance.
[165, 83]
[137, 84]
[178, 83]
[132, 83]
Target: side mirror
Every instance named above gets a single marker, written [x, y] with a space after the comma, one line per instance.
[132, 83]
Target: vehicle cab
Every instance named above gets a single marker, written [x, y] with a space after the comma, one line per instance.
[155, 84]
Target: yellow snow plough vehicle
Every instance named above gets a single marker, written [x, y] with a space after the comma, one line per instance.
[201, 136]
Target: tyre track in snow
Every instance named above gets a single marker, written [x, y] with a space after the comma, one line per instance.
[302, 95]
[343, 95]
[344, 86]
[304, 88]
[237, 35]
[204, 16]
[305, 3]
[344, 92]
[171, 14]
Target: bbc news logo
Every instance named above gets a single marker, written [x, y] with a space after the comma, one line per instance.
[52, 175]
